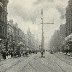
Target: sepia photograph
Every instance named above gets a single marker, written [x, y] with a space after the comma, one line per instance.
[35, 35]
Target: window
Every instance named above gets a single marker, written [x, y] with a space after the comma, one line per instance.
[0, 29]
[3, 31]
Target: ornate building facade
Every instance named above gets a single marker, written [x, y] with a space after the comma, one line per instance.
[3, 19]
[15, 35]
[10, 32]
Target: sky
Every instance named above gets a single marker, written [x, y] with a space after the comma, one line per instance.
[27, 13]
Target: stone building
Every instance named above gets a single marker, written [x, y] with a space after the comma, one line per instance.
[3, 18]
[62, 31]
[3, 23]
[21, 35]
[10, 32]
[16, 32]
[69, 18]
[15, 35]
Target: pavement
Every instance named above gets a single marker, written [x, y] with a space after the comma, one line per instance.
[34, 63]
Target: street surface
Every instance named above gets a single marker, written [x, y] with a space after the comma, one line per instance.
[34, 63]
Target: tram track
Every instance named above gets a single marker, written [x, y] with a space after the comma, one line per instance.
[52, 70]
[46, 66]
[17, 64]
[67, 61]
[55, 61]
[49, 63]
[6, 61]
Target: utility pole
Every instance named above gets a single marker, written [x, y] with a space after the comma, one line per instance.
[42, 41]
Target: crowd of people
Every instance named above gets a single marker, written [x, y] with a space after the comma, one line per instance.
[6, 54]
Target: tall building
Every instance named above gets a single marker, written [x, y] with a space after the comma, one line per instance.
[10, 31]
[3, 18]
[16, 33]
[62, 31]
[29, 38]
[69, 18]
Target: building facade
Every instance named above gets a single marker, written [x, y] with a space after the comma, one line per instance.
[69, 18]
[62, 31]
[14, 34]
[21, 35]
[10, 32]
[3, 18]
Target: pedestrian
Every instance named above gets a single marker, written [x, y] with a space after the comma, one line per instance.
[59, 50]
[11, 53]
[3, 52]
[7, 54]
[42, 52]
